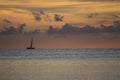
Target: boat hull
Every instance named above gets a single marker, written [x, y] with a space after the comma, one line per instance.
[30, 48]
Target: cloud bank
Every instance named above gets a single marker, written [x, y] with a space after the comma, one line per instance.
[12, 30]
[66, 29]
[69, 29]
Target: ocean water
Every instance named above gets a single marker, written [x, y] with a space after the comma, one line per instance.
[60, 64]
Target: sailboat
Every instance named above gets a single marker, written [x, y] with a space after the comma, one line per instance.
[31, 44]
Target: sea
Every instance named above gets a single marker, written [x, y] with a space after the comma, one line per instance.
[60, 64]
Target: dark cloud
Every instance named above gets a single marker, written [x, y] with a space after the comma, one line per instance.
[73, 30]
[21, 28]
[69, 29]
[52, 30]
[58, 17]
[13, 30]
[7, 21]
[92, 15]
[37, 16]
[42, 13]
[18, 30]
[9, 30]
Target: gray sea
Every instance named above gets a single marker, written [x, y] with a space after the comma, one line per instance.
[60, 64]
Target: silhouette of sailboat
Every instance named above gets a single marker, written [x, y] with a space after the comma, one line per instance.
[31, 44]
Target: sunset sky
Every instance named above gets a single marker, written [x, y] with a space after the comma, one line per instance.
[40, 14]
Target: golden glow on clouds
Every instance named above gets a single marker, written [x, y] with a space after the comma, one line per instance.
[36, 3]
[77, 10]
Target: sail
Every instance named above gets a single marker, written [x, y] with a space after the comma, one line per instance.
[31, 44]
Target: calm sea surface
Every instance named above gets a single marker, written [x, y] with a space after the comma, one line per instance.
[60, 64]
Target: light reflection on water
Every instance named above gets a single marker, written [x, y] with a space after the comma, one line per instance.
[59, 70]
[60, 64]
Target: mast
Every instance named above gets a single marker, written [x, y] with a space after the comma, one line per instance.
[31, 43]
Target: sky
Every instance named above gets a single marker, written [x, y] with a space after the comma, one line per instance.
[22, 19]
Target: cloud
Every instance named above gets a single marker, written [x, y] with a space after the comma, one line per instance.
[68, 29]
[92, 15]
[37, 16]
[58, 18]
[13, 30]
[21, 28]
[18, 30]
[42, 13]
[7, 21]
[9, 30]
[71, 30]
